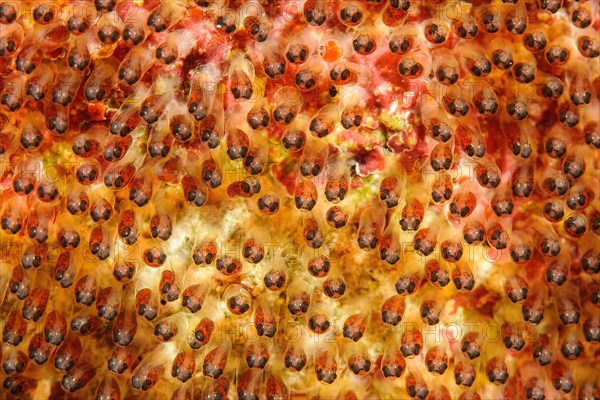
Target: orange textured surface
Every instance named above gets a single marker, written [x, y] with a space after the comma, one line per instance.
[312, 199]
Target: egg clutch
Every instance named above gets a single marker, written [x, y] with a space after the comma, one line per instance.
[300, 199]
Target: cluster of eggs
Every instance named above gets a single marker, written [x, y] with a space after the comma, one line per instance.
[300, 199]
